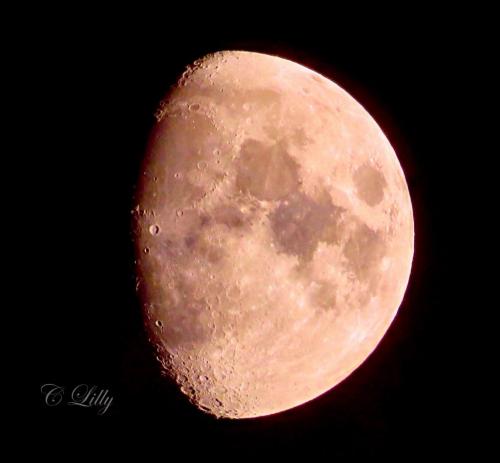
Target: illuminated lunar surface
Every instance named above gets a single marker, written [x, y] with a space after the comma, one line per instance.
[274, 234]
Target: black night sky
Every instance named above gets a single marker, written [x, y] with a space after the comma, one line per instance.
[95, 87]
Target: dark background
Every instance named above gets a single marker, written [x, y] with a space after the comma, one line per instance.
[94, 87]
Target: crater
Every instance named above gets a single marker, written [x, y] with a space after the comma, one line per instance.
[234, 100]
[180, 138]
[370, 184]
[266, 172]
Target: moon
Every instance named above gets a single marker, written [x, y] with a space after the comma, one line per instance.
[274, 234]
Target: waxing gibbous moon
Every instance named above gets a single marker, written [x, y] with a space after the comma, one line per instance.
[274, 234]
